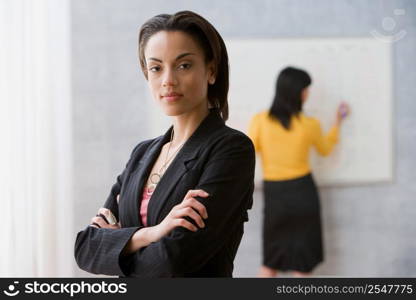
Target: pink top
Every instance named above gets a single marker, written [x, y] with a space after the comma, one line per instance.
[143, 207]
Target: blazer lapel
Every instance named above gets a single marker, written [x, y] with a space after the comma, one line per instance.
[178, 167]
[130, 210]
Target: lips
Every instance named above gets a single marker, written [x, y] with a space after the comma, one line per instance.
[171, 96]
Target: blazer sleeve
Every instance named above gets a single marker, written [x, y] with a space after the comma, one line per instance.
[97, 250]
[229, 179]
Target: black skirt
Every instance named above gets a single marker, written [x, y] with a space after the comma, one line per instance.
[292, 232]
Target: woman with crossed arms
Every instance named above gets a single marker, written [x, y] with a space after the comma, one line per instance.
[179, 207]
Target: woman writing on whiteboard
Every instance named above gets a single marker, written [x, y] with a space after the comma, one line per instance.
[283, 135]
[178, 208]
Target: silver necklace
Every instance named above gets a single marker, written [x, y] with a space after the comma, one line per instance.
[156, 176]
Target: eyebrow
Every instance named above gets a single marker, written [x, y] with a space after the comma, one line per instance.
[177, 58]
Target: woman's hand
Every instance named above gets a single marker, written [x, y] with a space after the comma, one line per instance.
[189, 207]
[147, 235]
[342, 112]
[103, 219]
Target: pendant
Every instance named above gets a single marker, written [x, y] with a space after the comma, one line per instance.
[150, 189]
[155, 178]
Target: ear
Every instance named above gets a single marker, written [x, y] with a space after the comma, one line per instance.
[212, 74]
[304, 94]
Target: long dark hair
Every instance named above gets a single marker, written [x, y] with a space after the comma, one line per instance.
[208, 39]
[287, 99]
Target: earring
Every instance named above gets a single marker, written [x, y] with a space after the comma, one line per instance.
[211, 81]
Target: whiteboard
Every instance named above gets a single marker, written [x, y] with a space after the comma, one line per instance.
[356, 70]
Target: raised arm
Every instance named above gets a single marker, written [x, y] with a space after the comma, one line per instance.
[324, 143]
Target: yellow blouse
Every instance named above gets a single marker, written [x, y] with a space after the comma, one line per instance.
[285, 153]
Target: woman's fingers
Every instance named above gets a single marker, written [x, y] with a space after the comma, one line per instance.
[194, 193]
[189, 207]
[99, 221]
[107, 215]
[189, 200]
[103, 213]
[103, 217]
[184, 223]
[192, 202]
[343, 110]
[190, 212]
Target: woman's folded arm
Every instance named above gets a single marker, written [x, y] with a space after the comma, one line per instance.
[229, 180]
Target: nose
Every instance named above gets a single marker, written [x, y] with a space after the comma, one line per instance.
[169, 78]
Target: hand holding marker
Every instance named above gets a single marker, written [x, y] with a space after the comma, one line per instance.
[342, 112]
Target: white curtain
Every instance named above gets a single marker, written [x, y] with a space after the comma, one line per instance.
[35, 146]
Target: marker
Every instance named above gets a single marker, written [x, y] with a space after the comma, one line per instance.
[344, 111]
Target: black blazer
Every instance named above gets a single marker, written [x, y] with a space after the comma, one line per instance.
[217, 159]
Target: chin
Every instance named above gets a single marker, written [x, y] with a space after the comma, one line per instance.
[172, 111]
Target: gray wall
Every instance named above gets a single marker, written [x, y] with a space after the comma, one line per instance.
[369, 230]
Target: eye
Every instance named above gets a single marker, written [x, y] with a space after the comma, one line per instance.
[184, 66]
[154, 69]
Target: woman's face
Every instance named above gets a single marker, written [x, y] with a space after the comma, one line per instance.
[178, 76]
